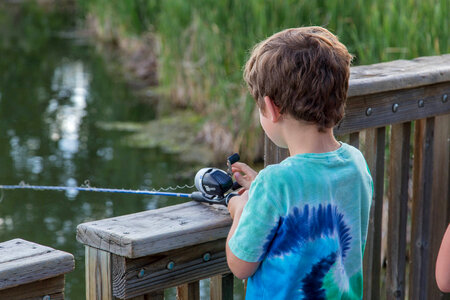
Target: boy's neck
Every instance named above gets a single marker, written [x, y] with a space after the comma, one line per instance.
[302, 137]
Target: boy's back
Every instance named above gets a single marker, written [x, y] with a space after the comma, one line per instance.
[299, 229]
[306, 220]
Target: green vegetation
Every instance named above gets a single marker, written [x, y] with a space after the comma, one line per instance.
[203, 44]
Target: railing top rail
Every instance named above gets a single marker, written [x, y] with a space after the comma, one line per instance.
[22, 262]
[399, 74]
[154, 231]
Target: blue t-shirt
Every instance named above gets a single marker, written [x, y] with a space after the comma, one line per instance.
[306, 222]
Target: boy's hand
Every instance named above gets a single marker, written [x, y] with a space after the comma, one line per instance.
[243, 174]
[236, 205]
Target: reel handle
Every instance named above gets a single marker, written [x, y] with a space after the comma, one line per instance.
[231, 160]
[199, 197]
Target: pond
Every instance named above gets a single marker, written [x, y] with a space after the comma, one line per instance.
[56, 91]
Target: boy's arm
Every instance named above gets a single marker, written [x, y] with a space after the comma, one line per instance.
[443, 264]
[240, 268]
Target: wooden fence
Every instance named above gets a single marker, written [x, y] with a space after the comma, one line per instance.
[398, 114]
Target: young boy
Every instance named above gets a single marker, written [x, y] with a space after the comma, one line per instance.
[443, 263]
[299, 229]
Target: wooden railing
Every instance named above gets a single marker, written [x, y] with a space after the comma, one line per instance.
[138, 256]
[32, 271]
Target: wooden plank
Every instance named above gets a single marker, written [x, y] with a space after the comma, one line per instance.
[398, 210]
[440, 197]
[138, 276]
[398, 74]
[149, 232]
[22, 262]
[98, 274]
[272, 153]
[215, 288]
[377, 110]
[374, 154]
[221, 287]
[354, 139]
[53, 287]
[421, 217]
[189, 291]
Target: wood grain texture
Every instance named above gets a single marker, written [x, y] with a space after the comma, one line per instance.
[53, 287]
[138, 276]
[398, 210]
[154, 231]
[374, 153]
[381, 105]
[354, 139]
[399, 74]
[215, 287]
[22, 262]
[221, 287]
[421, 210]
[98, 274]
[189, 291]
[272, 153]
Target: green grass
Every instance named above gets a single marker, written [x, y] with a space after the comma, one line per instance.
[204, 43]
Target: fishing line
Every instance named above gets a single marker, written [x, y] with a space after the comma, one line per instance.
[213, 186]
[87, 188]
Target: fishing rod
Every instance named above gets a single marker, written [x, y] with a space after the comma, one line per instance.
[213, 186]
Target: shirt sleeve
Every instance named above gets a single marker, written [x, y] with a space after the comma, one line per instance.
[258, 223]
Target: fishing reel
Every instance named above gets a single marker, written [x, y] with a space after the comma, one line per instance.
[213, 184]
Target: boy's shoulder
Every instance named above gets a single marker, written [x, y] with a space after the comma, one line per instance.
[303, 165]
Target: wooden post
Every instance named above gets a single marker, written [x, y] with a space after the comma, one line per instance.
[134, 255]
[354, 139]
[272, 153]
[375, 144]
[98, 274]
[32, 271]
[189, 291]
[421, 214]
[221, 287]
[398, 210]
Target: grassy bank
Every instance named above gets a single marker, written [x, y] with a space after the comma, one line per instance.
[202, 45]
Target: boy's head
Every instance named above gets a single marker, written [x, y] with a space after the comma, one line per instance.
[305, 71]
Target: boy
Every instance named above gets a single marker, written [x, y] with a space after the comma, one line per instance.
[443, 263]
[299, 228]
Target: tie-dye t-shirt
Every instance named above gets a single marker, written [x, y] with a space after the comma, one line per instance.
[306, 221]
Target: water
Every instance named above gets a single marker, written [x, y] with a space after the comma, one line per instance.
[54, 93]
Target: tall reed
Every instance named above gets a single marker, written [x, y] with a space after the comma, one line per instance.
[204, 43]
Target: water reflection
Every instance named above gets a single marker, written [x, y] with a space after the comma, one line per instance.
[70, 81]
[53, 93]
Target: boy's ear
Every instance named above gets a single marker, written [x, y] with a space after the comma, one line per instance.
[272, 110]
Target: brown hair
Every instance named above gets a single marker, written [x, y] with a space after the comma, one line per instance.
[304, 71]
